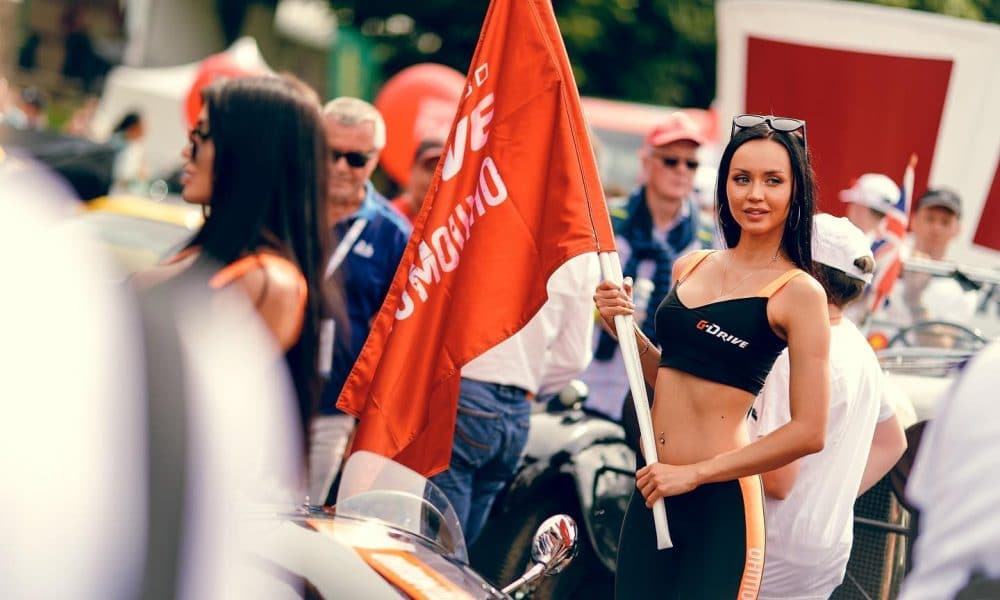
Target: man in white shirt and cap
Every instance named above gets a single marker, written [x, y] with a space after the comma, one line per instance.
[868, 200]
[809, 504]
[494, 400]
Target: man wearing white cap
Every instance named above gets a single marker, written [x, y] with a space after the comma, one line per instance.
[809, 504]
[868, 200]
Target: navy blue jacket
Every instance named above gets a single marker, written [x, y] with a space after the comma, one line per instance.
[366, 272]
[633, 227]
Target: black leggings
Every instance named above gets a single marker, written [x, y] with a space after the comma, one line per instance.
[718, 534]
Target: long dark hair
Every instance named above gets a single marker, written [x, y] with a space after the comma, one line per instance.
[268, 192]
[796, 240]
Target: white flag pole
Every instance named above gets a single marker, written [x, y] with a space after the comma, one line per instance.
[611, 269]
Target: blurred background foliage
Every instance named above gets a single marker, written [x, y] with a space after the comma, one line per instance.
[654, 51]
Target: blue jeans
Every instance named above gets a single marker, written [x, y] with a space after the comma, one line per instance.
[491, 430]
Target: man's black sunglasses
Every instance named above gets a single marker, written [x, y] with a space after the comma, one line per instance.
[785, 124]
[354, 159]
[673, 161]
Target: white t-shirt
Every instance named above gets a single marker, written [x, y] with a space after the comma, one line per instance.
[554, 347]
[954, 483]
[809, 533]
[943, 299]
[74, 396]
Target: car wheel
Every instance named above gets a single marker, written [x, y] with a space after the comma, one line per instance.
[503, 552]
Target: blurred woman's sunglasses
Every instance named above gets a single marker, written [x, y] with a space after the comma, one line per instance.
[784, 124]
[197, 136]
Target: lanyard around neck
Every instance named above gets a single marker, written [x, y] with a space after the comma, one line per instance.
[340, 253]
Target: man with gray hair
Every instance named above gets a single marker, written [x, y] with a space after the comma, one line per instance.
[370, 238]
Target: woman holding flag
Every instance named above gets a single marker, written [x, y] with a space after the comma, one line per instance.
[729, 315]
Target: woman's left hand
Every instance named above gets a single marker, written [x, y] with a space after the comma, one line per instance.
[660, 480]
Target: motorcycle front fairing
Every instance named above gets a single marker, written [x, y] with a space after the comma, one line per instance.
[392, 534]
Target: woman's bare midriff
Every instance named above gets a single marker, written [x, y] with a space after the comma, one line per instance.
[699, 419]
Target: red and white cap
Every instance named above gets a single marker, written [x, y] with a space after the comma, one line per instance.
[677, 126]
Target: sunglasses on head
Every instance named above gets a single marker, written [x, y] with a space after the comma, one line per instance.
[784, 124]
[354, 159]
[196, 136]
[673, 162]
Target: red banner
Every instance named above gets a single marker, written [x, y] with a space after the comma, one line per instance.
[861, 108]
[987, 232]
[515, 196]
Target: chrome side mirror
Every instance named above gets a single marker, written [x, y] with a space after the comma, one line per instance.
[552, 549]
[554, 544]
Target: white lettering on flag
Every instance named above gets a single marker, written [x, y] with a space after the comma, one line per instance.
[444, 252]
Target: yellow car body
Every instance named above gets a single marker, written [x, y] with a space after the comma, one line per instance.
[140, 232]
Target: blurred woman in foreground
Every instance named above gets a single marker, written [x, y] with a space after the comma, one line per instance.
[255, 163]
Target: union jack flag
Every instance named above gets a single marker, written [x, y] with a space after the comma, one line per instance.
[889, 243]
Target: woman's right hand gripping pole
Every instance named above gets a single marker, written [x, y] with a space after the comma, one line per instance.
[611, 300]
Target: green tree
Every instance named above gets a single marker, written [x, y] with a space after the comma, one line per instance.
[656, 51]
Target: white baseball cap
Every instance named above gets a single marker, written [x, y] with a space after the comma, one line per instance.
[874, 190]
[837, 243]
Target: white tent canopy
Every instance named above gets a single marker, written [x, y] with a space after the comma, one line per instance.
[158, 94]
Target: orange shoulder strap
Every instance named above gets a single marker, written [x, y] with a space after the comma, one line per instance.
[241, 267]
[779, 282]
[235, 270]
[696, 259]
[186, 252]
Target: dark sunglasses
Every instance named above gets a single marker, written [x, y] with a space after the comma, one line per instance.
[196, 136]
[785, 124]
[673, 161]
[429, 164]
[354, 159]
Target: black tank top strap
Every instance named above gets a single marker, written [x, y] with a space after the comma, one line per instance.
[779, 282]
[696, 259]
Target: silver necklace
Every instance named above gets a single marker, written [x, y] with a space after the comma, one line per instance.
[725, 271]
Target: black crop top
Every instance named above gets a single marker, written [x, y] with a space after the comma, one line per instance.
[727, 341]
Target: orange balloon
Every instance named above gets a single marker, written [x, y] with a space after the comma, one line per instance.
[210, 69]
[417, 103]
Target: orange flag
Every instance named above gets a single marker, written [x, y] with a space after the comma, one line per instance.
[516, 195]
